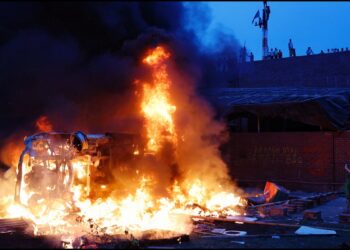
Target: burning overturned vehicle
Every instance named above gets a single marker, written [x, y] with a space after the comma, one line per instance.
[52, 163]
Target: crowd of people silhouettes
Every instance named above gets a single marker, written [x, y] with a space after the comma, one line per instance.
[277, 53]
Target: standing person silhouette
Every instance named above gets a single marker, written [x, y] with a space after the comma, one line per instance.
[309, 51]
[251, 57]
[291, 48]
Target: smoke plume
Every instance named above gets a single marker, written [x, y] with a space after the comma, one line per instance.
[70, 61]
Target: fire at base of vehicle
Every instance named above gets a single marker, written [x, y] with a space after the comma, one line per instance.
[68, 183]
[46, 166]
[53, 165]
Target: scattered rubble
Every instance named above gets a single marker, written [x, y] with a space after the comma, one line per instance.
[304, 230]
[312, 215]
[292, 205]
[238, 242]
[278, 211]
[274, 192]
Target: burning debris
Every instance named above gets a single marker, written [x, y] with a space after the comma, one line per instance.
[272, 193]
[76, 184]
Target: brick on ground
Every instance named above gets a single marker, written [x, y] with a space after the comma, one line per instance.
[312, 214]
[278, 211]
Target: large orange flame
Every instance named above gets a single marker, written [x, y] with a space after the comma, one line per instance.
[156, 106]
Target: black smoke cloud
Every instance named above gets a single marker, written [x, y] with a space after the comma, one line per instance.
[76, 62]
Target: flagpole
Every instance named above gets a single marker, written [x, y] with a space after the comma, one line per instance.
[263, 25]
[266, 14]
[265, 46]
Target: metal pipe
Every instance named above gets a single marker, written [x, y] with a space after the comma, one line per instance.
[19, 176]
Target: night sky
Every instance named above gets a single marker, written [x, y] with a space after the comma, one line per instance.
[322, 25]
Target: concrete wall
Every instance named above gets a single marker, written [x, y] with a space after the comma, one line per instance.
[327, 70]
[311, 161]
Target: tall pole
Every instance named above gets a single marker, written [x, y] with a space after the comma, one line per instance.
[265, 46]
[264, 26]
